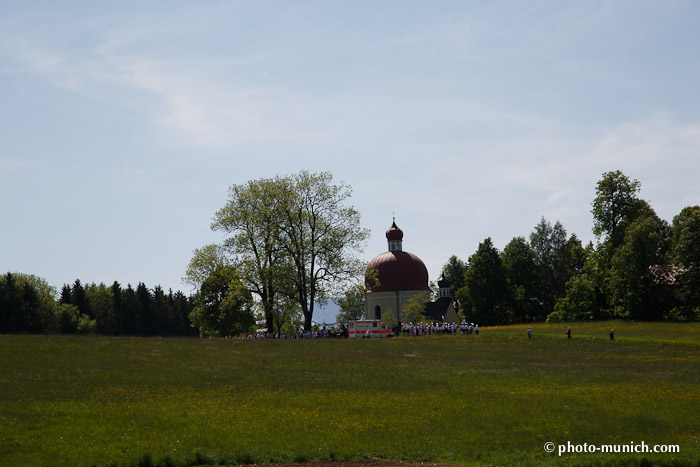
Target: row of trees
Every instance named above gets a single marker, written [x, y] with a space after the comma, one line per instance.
[641, 268]
[290, 243]
[30, 304]
[521, 283]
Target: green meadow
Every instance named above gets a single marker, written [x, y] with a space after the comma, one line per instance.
[491, 399]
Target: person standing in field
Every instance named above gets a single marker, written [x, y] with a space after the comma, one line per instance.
[612, 334]
[568, 333]
[529, 333]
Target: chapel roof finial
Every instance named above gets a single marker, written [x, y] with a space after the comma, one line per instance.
[394, 233]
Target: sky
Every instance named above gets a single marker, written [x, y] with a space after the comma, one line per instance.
[123, 124]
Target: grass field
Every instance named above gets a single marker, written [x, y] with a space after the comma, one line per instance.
[496, 398]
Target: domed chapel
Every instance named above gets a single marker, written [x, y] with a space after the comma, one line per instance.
[396, 276]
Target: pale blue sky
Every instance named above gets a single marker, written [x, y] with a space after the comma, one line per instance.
[123, 125]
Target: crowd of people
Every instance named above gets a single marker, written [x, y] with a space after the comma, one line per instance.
[405, 329]
[322, 332]
[425, 329]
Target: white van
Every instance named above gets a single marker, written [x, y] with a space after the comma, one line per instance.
[358, 329]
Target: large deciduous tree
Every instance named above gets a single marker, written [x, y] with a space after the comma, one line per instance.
[291, 236]
[618, 278]
[616, 201]
[320, 236]
[252, 219]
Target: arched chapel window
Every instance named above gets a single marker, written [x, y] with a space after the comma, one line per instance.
[377, 312]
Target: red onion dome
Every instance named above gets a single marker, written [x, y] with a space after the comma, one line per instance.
[397, 270]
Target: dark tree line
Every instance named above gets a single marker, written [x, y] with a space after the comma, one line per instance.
[641, 268]
[521, 283]
[29, 305]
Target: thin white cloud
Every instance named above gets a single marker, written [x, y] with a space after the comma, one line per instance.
[188, 105]
[453, 36]
[194, 101]
[655, 141]
[30, 57]
[11, 163]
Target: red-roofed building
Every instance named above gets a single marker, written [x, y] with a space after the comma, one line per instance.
[394, 277]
